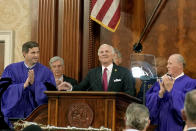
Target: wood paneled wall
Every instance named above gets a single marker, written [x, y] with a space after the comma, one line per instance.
[70, 35]
[63, 27]
[44, 30]
[173, 30]
[57, 26]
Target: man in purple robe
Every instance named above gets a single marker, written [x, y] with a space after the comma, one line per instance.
[28, 84]
[165, 99]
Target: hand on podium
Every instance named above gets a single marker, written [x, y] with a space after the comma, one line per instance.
[65, 86]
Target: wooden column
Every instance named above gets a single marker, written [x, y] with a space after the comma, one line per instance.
[44, 27]
[57, 27]
[70, 36]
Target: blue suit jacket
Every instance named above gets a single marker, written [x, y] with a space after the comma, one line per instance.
[121, 80]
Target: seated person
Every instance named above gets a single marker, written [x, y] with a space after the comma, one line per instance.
[57, 67]
[117, 57]
[108, 76]
[136, 117]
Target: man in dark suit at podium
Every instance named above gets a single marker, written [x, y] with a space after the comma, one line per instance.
[108, 76]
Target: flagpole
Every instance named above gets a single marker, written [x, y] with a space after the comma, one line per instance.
[138, 46]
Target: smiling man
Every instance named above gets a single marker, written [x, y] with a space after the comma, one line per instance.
[107, 77]
[28, 84]
[165, 99]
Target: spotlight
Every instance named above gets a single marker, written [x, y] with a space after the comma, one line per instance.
[137, 47]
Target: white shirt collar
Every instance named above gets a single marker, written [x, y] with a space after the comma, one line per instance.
[28, 66]
[109, 68]
[61, 78]
[179, 75]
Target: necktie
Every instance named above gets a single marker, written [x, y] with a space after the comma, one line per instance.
[105, 82]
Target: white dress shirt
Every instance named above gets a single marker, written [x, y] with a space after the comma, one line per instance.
[109, 71]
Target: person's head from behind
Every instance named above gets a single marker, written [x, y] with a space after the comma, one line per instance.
[175, 65]
[30, 52]
[106, 54]
[117, 57]
[57, 66]
[190, 108]
[137, 117]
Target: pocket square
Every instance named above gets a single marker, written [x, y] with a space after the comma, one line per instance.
[117, 80]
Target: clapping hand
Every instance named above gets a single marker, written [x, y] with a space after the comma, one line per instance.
[30, 79]
[165, 85]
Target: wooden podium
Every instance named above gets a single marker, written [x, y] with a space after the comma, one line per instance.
[84, 109]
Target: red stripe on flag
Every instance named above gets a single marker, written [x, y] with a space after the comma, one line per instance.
[104, 9]
[93, 4]
[114, 21]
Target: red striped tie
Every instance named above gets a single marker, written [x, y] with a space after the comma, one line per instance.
[105, 82]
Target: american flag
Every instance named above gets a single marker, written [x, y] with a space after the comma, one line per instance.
[106, 13]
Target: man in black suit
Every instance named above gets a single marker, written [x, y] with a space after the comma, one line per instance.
[114, 78]
[57, 67]
[189, 112]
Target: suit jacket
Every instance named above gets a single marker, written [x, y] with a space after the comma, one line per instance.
[72, 81]
[121, 80]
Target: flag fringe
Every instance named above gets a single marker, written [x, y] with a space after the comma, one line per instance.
[107, 27]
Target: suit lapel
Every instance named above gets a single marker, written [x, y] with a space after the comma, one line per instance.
[113, 75]
[99, 78]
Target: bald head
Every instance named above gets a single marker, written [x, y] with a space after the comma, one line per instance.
[175, 65]
[180, 59]
[106, 46]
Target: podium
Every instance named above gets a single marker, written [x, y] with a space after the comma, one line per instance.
[83, 109]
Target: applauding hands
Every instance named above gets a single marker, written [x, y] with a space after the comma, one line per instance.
[166, 84]
[30, 80]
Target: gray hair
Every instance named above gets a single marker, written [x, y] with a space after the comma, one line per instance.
[113, 52]
[56, 58]
[137, 116]
[180, 59]
[117, 52]
[190, 106]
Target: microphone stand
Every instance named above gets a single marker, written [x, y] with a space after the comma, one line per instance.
[151, 81]
[144, 92]
[144, 79]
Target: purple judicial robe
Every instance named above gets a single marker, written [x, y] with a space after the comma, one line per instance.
[18, 102]
[166, 112]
